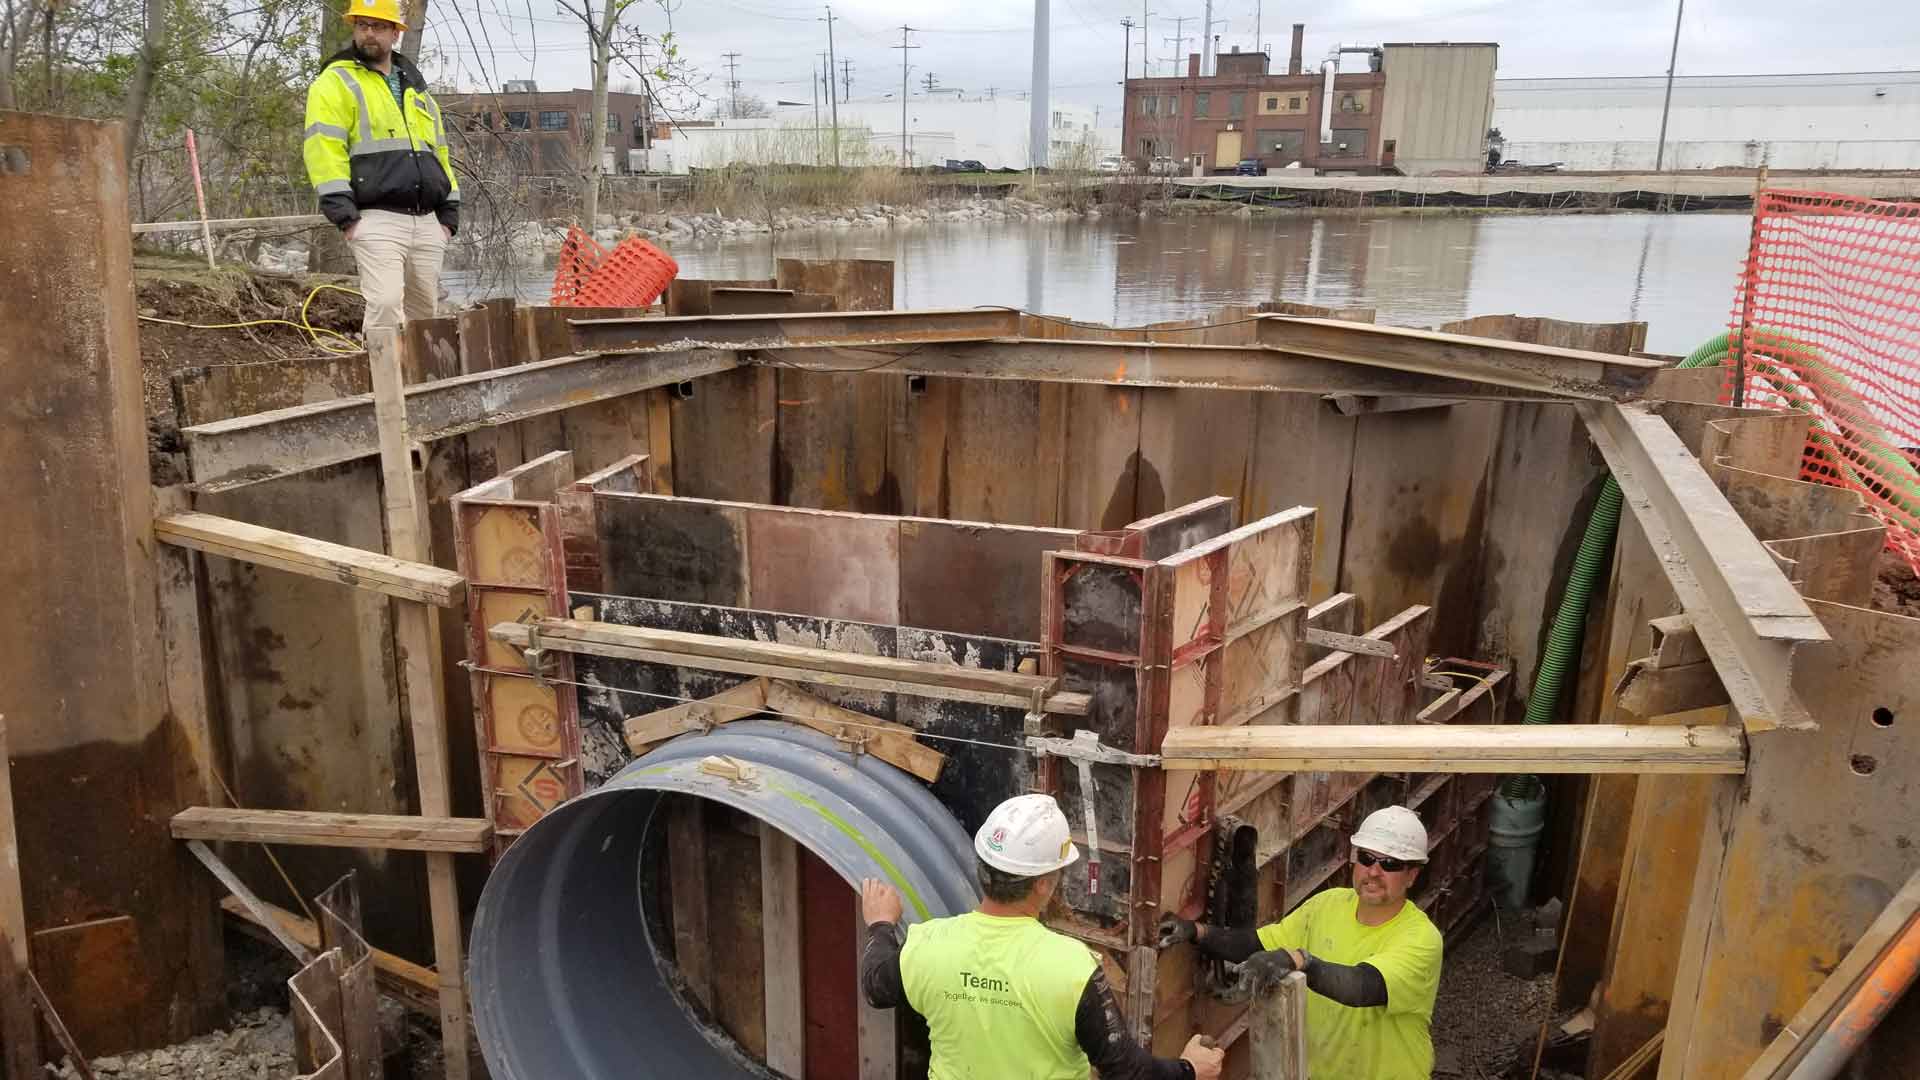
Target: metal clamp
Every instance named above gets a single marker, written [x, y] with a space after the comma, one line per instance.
[539, 660]
[1084, 750]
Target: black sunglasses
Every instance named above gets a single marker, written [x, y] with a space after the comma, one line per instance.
[1368, 858]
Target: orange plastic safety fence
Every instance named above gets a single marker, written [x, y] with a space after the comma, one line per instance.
[579, 258]
[633, 274]
[1826, 321]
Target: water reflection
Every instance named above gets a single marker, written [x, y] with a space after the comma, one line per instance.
[1675, 271]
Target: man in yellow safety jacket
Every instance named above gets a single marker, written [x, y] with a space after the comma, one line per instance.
[1371, 956]
[376, 153]
[1004, 997]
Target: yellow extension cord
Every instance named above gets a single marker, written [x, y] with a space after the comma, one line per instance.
[343, 346]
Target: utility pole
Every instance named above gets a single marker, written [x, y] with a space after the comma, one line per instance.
[733, 84]
[1126, 53]
[1145, 72]
[906, 161]
[846, 80]
[832, 99]
[1258, 46]
[1037, 115]
[1178, 39]
[930, 82]
[815, 80]
[1660, 155]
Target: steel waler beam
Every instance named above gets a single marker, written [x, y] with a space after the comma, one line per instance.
[248, 449]
[1747, 614]
[1542, 369]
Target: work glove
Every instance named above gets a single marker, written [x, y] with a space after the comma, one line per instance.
[1175, 930]
[1263, 971]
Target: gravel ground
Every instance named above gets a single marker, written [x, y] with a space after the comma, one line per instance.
[1486, 1020]
[258, 1046]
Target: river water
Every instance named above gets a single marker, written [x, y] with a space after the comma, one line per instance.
[1675, 271]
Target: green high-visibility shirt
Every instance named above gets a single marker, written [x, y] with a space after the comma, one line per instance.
[999, 996]
[1390, 1042]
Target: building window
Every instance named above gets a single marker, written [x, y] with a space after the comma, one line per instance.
[1273, 103]
[1348, 143]
[516, 121]
[1236, 104]
[1146, 149]
[613, 122]
[1294, 103]
[1349, 103]
[1146, 104]
[555, 120]
[1200, 103]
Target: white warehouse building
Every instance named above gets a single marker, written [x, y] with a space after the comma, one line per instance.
[1860, 120]
[990, 131]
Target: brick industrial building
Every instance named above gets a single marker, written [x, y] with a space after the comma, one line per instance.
[544, 132]
[1435, 96]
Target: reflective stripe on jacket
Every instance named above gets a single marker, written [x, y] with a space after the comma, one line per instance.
[365, 151]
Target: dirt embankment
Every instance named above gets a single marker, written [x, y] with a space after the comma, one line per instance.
[1896, 589]
[183, 290]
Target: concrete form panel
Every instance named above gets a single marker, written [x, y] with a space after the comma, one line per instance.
[673, 549]
[836, 566]
[974, 579]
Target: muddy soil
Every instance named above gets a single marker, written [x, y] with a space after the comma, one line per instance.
[183, 290]
[1897, 589]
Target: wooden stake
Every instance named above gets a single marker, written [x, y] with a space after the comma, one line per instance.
[417, 633]
[1278, 1027]
[22, 1038]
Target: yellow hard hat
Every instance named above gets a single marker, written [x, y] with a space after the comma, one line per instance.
[377, 9]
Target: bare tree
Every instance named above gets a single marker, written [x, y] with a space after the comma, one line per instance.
[16, 21]
[140, 89]
[611, 40]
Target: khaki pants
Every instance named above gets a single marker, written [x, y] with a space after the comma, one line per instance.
[399, 257]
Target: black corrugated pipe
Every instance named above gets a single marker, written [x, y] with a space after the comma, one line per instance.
[565, 975]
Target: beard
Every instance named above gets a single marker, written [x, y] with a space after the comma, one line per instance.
[372, 52]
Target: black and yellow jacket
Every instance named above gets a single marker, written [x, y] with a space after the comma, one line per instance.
[365, 152]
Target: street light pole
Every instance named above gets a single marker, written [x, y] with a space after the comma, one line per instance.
[1660, 154]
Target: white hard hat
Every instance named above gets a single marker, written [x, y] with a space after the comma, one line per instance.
[1026, 836]
[1393, 831]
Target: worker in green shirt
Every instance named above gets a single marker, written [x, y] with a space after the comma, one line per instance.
[1372, 959]
[1004, 997]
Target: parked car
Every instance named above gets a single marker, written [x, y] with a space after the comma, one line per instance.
[1116, 165]
[1249, 167]
[1164, 166]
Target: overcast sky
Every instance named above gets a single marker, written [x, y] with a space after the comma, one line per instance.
[974, 45]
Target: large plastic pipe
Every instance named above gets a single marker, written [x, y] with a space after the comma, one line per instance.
[1883, 988]
[567, 970]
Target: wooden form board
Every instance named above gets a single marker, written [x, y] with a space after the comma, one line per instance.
[512, 552]
[959, 577]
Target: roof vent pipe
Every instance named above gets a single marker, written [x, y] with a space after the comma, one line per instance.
[1328, 68]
